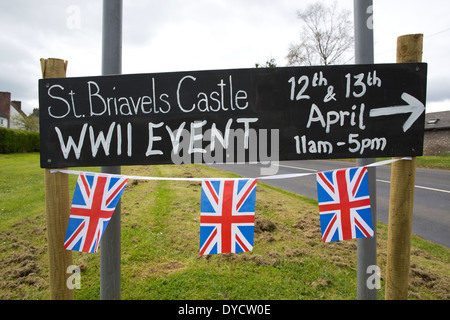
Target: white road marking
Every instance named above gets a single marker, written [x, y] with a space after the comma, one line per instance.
[299, 168]
[385, 181]
[420, 187]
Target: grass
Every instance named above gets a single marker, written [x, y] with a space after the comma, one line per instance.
[160, 226]
[441, 162]
[435, 162]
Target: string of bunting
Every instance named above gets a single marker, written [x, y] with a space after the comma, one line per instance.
[227, 207]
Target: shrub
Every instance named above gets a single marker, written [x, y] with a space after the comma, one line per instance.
[12, 141]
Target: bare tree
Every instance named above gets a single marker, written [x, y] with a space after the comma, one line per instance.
[326, 36]
[271, 63]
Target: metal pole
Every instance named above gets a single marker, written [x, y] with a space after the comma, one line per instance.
[366, 247]
[111, 64]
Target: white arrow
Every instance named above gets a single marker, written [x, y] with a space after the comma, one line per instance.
[414, 106]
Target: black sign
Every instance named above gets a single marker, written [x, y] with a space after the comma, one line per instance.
[242, 115]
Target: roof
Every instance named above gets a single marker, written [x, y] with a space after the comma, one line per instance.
[17, 105]
[437, 120]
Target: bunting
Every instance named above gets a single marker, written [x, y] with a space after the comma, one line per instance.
[227, 220]
[344, 204]
[227, 208]
[94, 201]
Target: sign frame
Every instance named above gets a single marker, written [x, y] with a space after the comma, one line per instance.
[294, 113]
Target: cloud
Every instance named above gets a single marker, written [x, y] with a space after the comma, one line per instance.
[177, 35]
[438, 88]
[39, 29]
[205, 35]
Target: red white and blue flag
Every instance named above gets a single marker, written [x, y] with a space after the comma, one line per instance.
[94, 201]
[344, 204]
[227, 219]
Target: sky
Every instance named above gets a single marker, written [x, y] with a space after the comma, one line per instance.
[188, 35]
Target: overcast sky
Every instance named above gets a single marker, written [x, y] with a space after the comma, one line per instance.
[184, 35]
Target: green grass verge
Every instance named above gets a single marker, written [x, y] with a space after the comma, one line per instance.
[435, 162]
[441, 162]
[160, 229]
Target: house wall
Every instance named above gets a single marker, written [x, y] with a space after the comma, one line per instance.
[436, 142]
[3, 122]
[5, 103]
[13, 115]
[10, 110]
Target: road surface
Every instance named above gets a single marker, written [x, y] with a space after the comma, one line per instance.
[431, 216]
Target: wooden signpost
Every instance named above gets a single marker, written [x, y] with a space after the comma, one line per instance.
[403, 176]
[57, 207]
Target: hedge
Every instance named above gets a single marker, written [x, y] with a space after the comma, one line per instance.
[12, 141]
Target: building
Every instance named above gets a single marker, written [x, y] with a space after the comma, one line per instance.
[9, 110]
[3, 120]
[437, 133]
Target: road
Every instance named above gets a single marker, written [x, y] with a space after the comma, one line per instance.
[431, 216]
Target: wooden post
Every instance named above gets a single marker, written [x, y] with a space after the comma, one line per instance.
[57, 207]
[403, 176]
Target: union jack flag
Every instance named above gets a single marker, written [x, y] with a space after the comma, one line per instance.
[344, 204]
[227, 219]
[94, 201]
